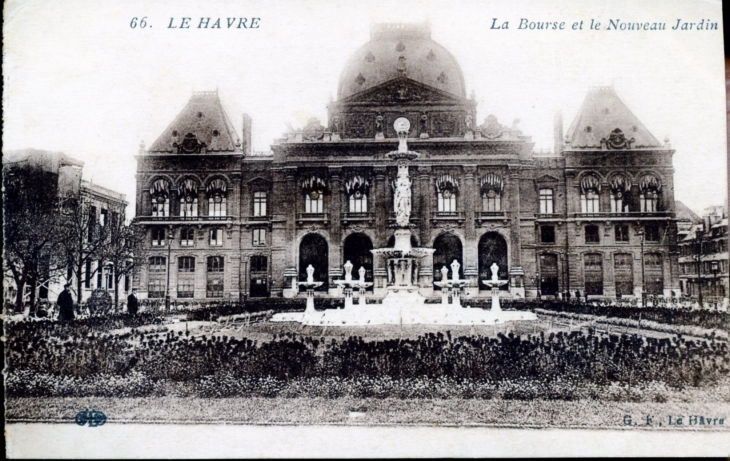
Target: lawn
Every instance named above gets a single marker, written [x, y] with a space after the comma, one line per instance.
[351, 411]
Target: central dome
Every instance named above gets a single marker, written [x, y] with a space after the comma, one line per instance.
[396, 50]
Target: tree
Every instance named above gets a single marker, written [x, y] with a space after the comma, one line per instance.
[84, 239]
[32, 226]
[124, 250]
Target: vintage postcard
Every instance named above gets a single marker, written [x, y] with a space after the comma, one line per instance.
[343, 229]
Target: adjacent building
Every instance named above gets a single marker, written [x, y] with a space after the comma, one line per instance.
[703, 257]
[224, 221]
[62, 174]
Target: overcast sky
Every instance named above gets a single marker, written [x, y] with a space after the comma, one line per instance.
[79, 79]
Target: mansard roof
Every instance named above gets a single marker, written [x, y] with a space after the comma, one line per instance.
[203, 120]
[604, 121]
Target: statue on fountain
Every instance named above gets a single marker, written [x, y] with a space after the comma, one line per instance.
[402, 201]
[310, 274]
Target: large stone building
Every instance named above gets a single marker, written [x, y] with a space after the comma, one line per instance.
[228, 222]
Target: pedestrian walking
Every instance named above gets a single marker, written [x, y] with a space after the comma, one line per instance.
[65, 304]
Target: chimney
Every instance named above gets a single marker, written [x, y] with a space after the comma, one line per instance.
[558, 132]
[246, 135]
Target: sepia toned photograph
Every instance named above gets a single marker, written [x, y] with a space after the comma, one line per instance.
[337, 229]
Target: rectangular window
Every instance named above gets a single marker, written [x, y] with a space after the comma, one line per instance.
[156, 289]
[185, 277]
[259, 204]
[491, 201]
[617, 202]
[157, 264]
[108, 278]
[115, 219]
[547, 234]
[214, 283]
[158, 236]
[160, 206]
[648, 201]
[314, 202]
[358, 203]
[99, 272]
[593, 272]
[186, 264]
[623, 268]
[216, 237]
[259, 263]
[592, 234]
[87, 275]
[446, 202]
[546, 201]
[103, 217]
[92, 222]
[622, 234]
[589, 202]
[651, 233]
[187, 237]
[188, 207]
[217, 206]
[259, 237]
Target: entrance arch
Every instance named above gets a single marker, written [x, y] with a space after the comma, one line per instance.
[356, 249]
[314, 250]
[448, 248]
[492, 249]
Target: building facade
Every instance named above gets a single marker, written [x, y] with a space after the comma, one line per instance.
[703, 257]
[224, 221]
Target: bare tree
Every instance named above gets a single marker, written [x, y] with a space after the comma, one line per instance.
[123, 251]
[84, 239]
[32, 228]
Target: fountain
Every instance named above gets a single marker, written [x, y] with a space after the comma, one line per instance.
[494, 283]
[309, 311]
[348, 284]
[403, 304]
[451, 285]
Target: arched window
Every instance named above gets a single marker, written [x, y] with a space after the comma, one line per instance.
[217, 198]
[314, 189]
[447, 189]
[492, 188]
[357, 190]
[590, 188]
[620, 187]
[160, 192]
[649, 189]
[188, 199]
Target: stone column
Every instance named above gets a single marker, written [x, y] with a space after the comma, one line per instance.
[471, 251]
[379, 206]
[516, 273]
[335, 244]
[425, 203]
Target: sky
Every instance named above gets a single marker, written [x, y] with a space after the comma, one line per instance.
[79, 79]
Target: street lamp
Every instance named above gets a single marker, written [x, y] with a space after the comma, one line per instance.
[170, 237]
[715, 265]
[640, 233]
[699, 234]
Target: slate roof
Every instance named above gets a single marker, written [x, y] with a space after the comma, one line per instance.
[685, 214]
[204, 117]
[603, 112]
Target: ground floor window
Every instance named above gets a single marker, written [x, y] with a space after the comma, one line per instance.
[623, 269]
[593, 271]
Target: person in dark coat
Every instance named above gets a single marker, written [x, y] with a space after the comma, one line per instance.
[132, 306]
[65, 304]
